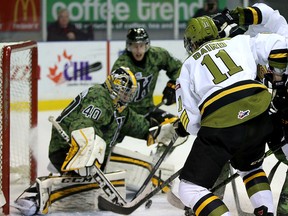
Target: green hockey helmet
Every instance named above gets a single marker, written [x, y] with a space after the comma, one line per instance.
[122, 86]
[137, 35]
[198, 31]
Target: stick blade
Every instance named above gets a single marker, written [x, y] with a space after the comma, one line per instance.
[104, 204]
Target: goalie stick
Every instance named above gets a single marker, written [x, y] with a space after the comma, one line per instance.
[99, 177]
[130, 207]
[142, 190]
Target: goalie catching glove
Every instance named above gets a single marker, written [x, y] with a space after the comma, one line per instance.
[87, 150]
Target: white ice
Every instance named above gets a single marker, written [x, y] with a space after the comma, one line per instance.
[160, 206]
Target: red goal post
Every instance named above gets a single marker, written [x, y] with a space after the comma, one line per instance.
[19, 111]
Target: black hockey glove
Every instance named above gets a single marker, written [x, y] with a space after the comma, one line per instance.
[169, 93]
[179, 128]
[226, 22]
[280, 100]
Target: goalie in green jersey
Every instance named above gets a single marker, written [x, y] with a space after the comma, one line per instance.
[91, 124]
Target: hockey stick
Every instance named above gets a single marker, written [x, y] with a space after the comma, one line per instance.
[127, 209]
[236, 197]
[112, 145]
[99, 177]
[176, 202]
[146, 195]
[235, 192]
[157, 165]
[235, 175]
[273, 170]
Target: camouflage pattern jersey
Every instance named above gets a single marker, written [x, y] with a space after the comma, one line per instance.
[94, 108]
[147, 72]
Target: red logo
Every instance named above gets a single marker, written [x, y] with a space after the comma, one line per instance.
[55, 73]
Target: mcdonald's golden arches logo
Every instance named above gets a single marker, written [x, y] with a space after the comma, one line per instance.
[24, 8]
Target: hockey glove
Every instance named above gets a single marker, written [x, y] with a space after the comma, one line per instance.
[226, 22]
[169, 93]
[179, 128]
[162, 133]
[280, 100]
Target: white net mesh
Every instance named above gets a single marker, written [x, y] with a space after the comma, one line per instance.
[17, 62]
[20, 116]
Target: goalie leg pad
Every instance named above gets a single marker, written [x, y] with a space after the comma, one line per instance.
[136, 165]
[66, 194]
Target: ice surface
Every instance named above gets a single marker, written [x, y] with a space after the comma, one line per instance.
[160, 205]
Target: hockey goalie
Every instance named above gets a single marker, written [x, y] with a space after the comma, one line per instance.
[66, 191]
[81, 145]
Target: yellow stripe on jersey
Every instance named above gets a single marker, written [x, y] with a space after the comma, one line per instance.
[278, 58]
[255, 15]
[279, 55]
[184, 119]
[229, 91]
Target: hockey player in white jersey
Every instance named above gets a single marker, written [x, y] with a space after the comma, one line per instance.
[219, 100]
[262, 18]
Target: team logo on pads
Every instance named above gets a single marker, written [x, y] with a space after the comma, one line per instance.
[243, 114]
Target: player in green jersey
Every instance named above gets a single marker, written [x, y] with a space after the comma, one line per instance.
[146, 62]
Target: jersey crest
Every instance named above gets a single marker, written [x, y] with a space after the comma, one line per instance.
[143, 86]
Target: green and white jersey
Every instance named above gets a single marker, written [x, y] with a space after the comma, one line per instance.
[94, 108]
[216, 86]
[156, 59]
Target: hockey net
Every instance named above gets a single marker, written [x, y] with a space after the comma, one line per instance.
[18, 82]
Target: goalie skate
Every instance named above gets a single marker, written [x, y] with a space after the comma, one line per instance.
[27, 206]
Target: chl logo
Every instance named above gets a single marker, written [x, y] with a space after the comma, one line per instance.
[68, 70]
